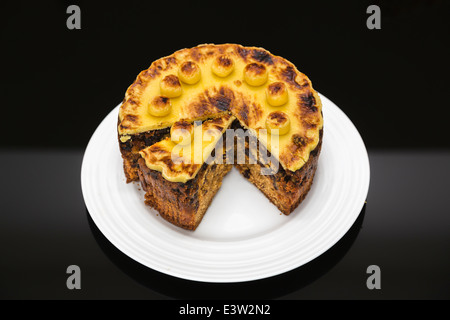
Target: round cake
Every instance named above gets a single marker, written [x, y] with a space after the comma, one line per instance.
[191, 116]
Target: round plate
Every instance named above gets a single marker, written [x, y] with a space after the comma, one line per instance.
[242, 236]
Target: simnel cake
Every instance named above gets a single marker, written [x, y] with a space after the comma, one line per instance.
[179, 122]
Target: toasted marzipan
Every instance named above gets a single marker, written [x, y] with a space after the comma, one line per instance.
[159, 156]
[213, 96]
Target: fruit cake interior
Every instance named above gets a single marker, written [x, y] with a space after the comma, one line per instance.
[175, 120]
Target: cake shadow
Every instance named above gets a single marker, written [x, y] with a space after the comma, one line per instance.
[268, 288]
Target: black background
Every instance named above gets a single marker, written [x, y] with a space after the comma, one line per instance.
[58, 84]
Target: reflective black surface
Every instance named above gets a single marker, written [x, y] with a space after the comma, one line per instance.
[270, 288]
[404, 229]
[59, 84]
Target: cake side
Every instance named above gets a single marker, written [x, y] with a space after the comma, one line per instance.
[182, 204]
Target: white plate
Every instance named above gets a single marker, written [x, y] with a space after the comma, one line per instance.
[242, 236]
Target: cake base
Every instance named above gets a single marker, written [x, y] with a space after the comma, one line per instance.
[182, 204]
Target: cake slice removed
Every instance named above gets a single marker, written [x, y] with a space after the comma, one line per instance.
[284, 188]
[181, 182]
